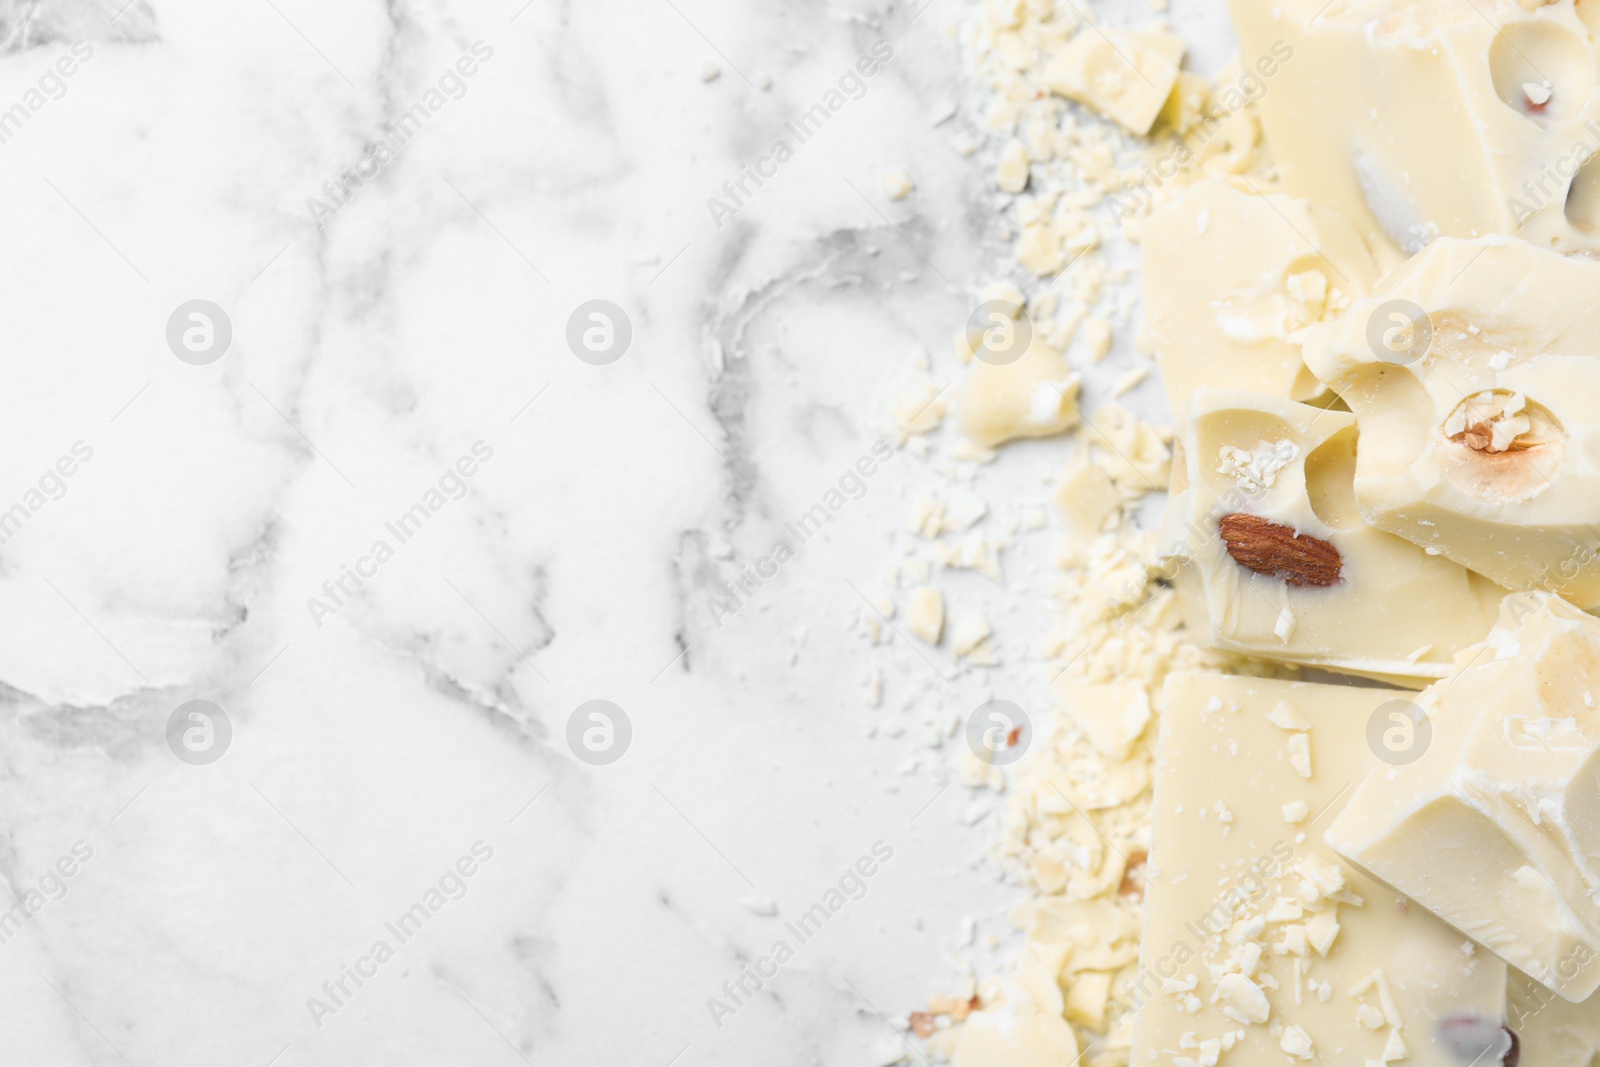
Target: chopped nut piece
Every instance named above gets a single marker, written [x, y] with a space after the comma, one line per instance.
[1133, 876]
[1255, 470]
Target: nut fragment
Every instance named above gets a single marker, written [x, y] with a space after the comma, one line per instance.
[958, 1010]
[1133, 876]
[1495, 420]
[1501, 446]
[1271, 548]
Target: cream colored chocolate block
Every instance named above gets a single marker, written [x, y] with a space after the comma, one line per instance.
[1125, 75]
[1025, 1026]
[1261, 947]
[1272, 558]
[1434, 117]
[1480, 428]
[1233, 277]
[1552, 1032]
[1496, 827]
[1034, 395]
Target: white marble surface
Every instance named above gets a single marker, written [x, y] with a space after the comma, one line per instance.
[370, 752]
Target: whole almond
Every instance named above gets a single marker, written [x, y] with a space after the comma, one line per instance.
[1271, 548]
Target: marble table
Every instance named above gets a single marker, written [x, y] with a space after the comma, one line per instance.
[388, 382]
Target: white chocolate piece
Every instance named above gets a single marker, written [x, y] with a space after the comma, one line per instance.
[1434, 117]
[897, 185]
[1004, 305]
[1113, 714]
[1033, 396]
[1256, 935]
[1386, 609]
[1231, 277]
[1096, 338]
[1086, 497]
[1486, 447]
[1495, 828]
[925, 613]
[1125, 75]
[969, 636]
[1025, 1027]
[1553, 1032]
[1012, 173]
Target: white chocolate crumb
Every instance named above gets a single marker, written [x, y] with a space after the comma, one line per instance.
[1243, 1001]
[1285, 625]
[1096, 338]
[925, 614]
[1129, 380]
[1300, 754]
[1012, 173]
[968, 632]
